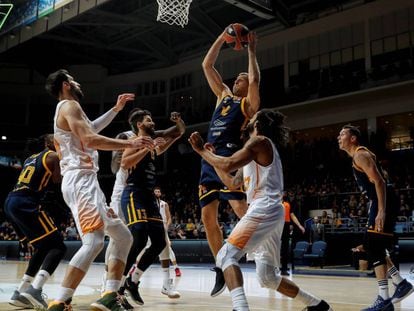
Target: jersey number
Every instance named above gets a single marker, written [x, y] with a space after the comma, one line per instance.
[26, 175]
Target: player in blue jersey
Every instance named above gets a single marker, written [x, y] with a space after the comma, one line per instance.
[139, 204]
[233, 110]
[23, 209]
[381, 219]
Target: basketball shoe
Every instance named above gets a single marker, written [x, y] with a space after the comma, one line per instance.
[402, 290]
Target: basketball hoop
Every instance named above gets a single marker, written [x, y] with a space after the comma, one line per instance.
[173, 12]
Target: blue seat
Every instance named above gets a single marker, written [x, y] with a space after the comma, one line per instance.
[301, 248]
[317, 253]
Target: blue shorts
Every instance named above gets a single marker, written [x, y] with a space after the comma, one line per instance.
[23, 211]
[207, 193]
[139, 207]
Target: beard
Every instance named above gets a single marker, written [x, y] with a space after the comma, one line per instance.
[77, 93]
[150, 131]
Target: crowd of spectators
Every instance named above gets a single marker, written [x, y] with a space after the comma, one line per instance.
[317, 177]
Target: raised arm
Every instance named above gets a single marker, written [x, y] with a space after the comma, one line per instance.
[214, 79]
[171, 134]
[104, 120]
[252, 104]
[72, 118]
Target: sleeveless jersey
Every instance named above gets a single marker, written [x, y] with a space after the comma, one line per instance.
[73, 154]
[264, 183]
[35, 174]
[362, 180]
[225, 127]
[143, 175]
[162, 204]
[368, 189]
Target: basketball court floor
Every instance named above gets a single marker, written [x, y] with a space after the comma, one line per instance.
[343, 293]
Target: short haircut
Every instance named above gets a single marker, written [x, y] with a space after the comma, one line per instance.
[54, 82]
[137, 116]
[353, 130]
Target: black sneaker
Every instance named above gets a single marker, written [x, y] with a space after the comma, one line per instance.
[132, 289]
[322, 306]
[125, 303]
[220, 284]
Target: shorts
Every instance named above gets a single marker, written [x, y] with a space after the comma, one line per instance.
[207, 193]
[260, 231]
[24, 212]
[139, 207]
[87, 202]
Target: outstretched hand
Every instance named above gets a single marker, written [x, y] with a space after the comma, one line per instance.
[122, 100]
[196, 141]
[252, 38]
[210, 147]
[143, 142]
[175, 117]
[159, 142]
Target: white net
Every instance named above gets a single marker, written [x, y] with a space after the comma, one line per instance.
[173, 12]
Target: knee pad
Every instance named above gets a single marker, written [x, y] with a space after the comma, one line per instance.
[267, 276]
[228, 255]
[108, 251]
[377, 245]
[120, 242]
[92, 244]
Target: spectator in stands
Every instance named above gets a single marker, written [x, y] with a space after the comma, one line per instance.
[404, 209]
[325, 219]
[181, 234]
[317, 230]
[190, 226]
[71, 232]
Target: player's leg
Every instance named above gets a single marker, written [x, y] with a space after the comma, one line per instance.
[168, 284]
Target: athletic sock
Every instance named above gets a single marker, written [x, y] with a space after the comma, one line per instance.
[307, 298]
[112, 285]
[383, 289]
[65, 294]
[239, 299]
[395, 275]
[40, 279]
[136, 275]
[25, 283]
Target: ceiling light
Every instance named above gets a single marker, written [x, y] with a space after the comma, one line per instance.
[3, 137]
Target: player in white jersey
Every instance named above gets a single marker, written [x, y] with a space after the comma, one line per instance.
[77, 141]
[167, 254]
[259, 166]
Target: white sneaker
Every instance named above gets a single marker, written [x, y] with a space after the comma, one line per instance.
[168, 289]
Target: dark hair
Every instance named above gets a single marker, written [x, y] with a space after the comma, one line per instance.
[353, 130]
[137, 116]
[54, 82]
[157, 188]
[272, 125]
[35, 145]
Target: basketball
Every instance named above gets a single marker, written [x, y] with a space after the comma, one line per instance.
[236, 36]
